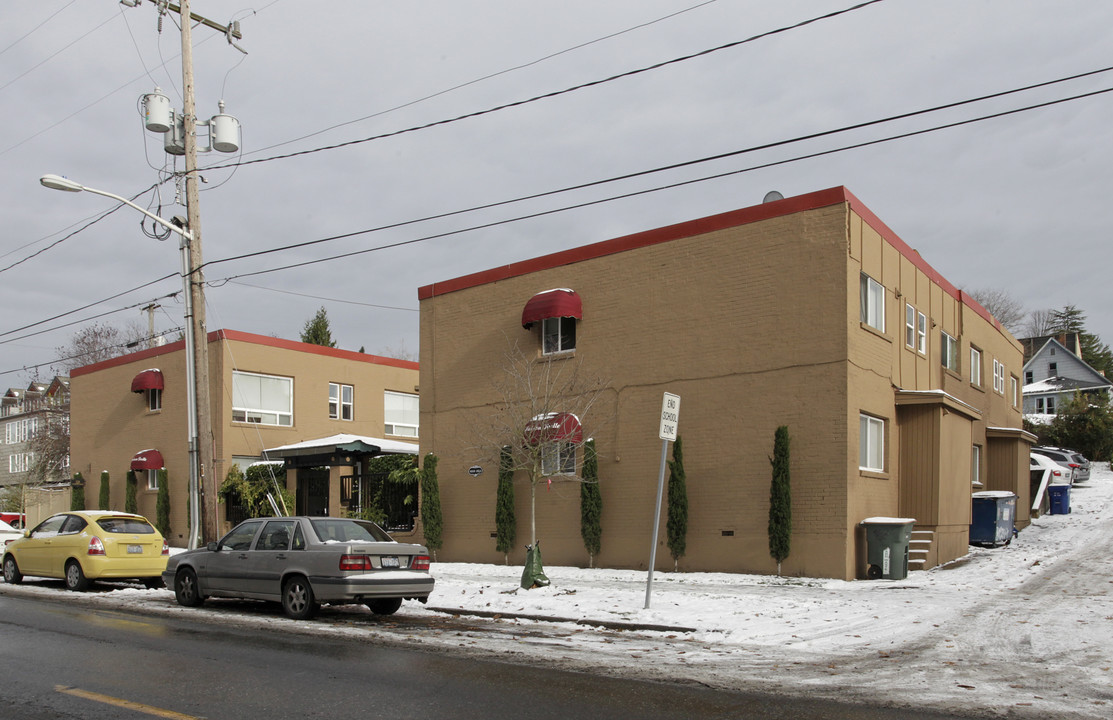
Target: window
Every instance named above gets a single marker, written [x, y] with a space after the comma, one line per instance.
[975, 366]
[152, 479]
[1028, 377]
[921, 333]
[401, 412]
[1053, 369]
[20, 462]
[976, 466]
[262, 399]
[340, 401]
[998, 376]
[872, 297]
[1014, 390]
[871, 443]
[910, 326]
[20, 431]
[949, 351]
[558, 334]
[154, 399]
[1045, 405]
[558, 458]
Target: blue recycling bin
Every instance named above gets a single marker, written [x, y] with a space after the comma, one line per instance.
[1059, 496]
[992, 518]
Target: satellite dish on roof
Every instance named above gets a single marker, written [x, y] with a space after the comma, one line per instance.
[772, 196]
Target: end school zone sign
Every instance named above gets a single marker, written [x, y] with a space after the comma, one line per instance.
[670, 417]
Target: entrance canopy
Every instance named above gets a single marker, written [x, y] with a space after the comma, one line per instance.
[337, 450]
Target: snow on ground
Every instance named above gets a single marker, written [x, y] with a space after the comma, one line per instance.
[1019, 631]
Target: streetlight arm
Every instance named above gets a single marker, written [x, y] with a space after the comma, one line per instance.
[55, 182]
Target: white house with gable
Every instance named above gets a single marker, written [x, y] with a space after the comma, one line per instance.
[1053, 375]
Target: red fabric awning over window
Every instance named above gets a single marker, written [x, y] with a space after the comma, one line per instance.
[561, 302]
[147, 380]
[147, 460]
[554, 427]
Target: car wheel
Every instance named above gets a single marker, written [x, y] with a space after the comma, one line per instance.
[297, 598]
[12, 575]
[186, 590]
[75, 577]
[384, 606]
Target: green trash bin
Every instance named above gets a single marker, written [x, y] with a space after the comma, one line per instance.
[887, 547]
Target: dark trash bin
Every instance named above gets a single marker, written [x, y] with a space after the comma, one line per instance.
[992, 517]
[887, 547]
[1060, 499]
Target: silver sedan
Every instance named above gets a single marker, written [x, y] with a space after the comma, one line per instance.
[302, 562]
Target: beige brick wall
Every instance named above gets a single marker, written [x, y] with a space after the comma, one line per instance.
[754, 325]
[745, 324]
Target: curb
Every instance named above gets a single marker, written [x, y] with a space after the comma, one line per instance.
[609, 624]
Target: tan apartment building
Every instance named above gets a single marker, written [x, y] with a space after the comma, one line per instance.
[900, 392]
[336, 407]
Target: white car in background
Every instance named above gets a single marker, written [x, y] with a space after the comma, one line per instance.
[7, 534]
[1060, 474]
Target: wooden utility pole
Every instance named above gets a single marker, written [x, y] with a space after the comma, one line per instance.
[203, 435]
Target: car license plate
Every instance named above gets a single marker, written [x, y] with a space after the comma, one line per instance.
[389, 562]
[135, 549]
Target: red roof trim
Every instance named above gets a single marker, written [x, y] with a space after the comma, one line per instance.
[561, 302]
[248, 338]
[691, 228]
[147, 460]
[147, 380]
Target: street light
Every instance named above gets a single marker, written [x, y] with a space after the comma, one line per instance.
[56, 182]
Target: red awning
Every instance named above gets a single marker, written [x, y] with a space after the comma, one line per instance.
[147, 460]
[554, 427]
[147, 380]
[561, 302]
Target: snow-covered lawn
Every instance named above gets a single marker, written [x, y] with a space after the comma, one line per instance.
[1024, 630]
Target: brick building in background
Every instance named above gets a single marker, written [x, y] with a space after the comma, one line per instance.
[130, 413]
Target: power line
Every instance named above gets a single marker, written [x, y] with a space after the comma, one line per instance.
[86, 226]
[664, 168]
[119, 346]
[328, 299]
[474, 81]
[32, 31]
[86, 307]
[624, 195]
[670, 186]
[47, 59]
[555, 93]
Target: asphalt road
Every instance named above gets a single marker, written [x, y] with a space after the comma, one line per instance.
[62, 659]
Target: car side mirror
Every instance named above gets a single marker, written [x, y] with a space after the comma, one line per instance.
[212, 547]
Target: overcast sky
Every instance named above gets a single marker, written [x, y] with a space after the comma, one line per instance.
[1018, 203]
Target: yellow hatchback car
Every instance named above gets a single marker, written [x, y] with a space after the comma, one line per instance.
[82, 546]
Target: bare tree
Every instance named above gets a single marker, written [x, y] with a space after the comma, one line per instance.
[540, 422]
[1001, 305]
[94, 343]
[50, 446]
[398, 352]
[1040, 323]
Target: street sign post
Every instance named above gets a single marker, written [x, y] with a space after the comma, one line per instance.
[670, 420]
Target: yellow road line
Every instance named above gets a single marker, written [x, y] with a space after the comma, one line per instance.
[118, 702]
